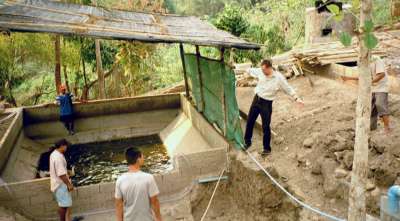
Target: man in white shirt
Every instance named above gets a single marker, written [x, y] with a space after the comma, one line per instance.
[136, 192]
[60, 184]
[380, 93]
[269, 83]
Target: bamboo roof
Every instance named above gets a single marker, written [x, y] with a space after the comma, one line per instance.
[72, 19]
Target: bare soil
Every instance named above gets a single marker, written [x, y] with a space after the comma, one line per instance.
[313, 146]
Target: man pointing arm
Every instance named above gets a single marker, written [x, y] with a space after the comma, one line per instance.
[269, 83]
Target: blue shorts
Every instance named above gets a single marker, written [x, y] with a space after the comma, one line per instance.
[63, 196]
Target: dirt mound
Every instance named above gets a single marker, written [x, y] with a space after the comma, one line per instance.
[248, 195]
[313, 146]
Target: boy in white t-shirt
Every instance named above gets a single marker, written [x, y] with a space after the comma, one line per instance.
[136, 192]
[60, 184]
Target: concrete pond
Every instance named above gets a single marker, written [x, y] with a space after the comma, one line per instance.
[182, 147]
[191, 148]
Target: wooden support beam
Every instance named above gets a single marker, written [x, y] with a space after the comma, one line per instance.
[198, 56]
[223, 96]
[182, 53]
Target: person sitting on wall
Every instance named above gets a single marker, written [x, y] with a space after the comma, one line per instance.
[60, 183]
[66, 109]
[380, 93]
[43, 168]
[269, 82]
[136, 192]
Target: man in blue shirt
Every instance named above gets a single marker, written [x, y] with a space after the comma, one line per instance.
[66, 109]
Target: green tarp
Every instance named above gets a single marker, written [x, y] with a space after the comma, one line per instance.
[216, 90]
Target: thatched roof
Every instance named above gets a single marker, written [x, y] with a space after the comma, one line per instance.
[72, 19]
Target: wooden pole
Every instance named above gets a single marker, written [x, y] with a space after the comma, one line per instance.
[357, 208]
[182, 53]
[223, 96]
[198, 55]
[99, 70]
[57, 71]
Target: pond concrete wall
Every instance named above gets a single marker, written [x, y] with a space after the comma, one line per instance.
[10, 137]
[199, 151]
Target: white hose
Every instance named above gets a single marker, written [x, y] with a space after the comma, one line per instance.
[212, 196]
[317, 211]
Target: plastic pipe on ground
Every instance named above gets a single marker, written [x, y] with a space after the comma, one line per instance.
[393, 199]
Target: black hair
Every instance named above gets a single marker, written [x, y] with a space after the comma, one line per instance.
[267, 63]
[62, 142]
[132, 155]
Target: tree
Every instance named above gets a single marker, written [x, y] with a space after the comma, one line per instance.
[357, 208]
[232, 20]
[366, 42]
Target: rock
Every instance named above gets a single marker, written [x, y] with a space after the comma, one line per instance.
[308, 143]
[279, 140]
[340, 173]
[331, 186]
[346, 118]
[339, 156]
[384, 169]
[301, 159]
[370, 185]
[397, 182]
[338, 143]
[378, 147]
[348, 159]
[316, 168]
[373, 200]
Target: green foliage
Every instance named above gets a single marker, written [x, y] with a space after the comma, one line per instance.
[368, 37]
[345, 38]
[108, 51]
[370, 40]
[170, 6]
[231, 19]
[368, 26]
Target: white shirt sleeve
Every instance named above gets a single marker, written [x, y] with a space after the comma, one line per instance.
[118, 192]
[285, 86]
[254, 72]
[60, 167]
[153, 189]
[379, 66]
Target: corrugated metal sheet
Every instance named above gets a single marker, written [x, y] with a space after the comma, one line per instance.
[72, 19]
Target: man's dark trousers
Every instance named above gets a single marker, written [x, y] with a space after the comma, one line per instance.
[264, 108]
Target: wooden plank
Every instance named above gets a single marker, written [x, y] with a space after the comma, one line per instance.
[198, 56]
[182, 53]
[223, 96]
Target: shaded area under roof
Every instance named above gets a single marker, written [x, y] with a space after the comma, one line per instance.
[72, 19]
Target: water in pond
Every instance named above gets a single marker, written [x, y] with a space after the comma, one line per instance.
[105, 161]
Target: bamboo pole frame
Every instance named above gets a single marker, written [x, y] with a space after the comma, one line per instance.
[182, 53]
[198, 55]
